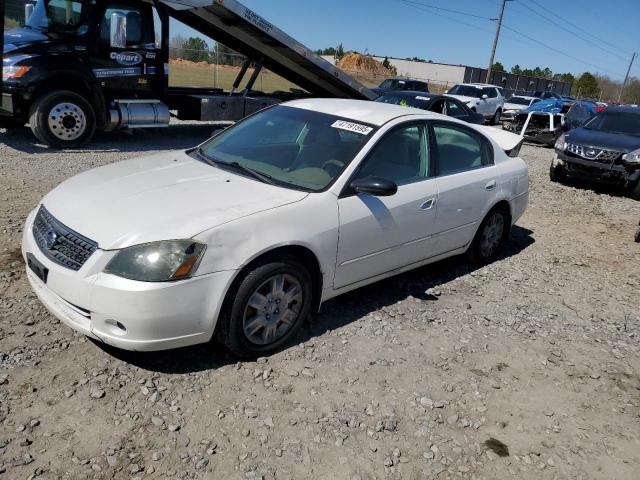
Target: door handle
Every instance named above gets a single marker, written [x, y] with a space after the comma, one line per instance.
[491, 185]
[428, 204]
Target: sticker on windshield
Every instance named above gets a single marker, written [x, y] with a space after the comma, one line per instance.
[352, 127]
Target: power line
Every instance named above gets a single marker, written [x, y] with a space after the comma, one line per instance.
[434, 7]
[577, 27]
[517, 32]
[566, 30]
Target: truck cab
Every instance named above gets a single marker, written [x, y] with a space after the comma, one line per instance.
[77, 66]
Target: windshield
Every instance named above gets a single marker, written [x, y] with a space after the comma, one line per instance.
[294, 147]
[393, 84]
[615, 122]
[466, 91]
[60, 15]
[416, 101]
[519, 101]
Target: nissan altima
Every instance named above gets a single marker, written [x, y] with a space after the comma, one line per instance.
[244, 236]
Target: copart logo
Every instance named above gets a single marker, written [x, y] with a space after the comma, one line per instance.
[126, 58]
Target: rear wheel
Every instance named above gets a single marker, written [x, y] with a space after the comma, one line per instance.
[266, 307]
[62, 119]
[490, 237]
[497, 117]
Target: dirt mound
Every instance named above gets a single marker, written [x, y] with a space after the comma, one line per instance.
[362, 63]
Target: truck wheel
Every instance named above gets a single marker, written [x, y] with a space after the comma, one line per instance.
[266, 307]
[557, 173]
[62, 119]
[497, 117]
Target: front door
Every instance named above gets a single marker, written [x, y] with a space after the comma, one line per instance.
[381, 234]
[129, 70]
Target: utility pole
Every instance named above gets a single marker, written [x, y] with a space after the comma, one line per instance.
[626, 77]
[495, 39]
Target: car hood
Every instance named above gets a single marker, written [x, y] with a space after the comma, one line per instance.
[166, 196]
[464, 98]
[514, 106]
[604, 140]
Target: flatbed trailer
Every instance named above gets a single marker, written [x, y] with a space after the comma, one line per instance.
[105, 65]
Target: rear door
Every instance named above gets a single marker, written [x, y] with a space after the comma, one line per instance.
[467, 183]
[130, 69]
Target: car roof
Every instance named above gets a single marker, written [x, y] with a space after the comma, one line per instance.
[479, 85]
[528, 97]
[407, 78]
[623, 109]
[374, 113]
[412, 93]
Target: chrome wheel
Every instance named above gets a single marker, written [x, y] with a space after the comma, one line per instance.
[272, 309]
[492, 234]
[67, 121]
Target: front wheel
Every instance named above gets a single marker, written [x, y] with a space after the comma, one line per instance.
[266, 307]
[490, 237]
[62, 119]
[557, 173]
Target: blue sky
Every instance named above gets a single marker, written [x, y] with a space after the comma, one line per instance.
[605, 33]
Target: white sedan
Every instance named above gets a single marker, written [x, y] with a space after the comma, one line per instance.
[246, 235]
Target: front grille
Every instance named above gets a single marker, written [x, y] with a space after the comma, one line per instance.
[593, 154]
[59, 243]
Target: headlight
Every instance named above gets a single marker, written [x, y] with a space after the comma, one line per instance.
[561, 143]
[633, 157]
[157, 261]
[14, 71]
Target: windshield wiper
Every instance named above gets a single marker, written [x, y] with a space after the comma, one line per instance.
[263, 177]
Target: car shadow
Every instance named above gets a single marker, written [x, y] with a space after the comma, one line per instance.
[334, 314]
[175, 137]
[599, 188]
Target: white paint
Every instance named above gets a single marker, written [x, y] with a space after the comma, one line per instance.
[357, 239]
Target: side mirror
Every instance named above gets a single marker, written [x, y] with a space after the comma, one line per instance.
[377, 186]
[485, 96]
[28, 10]
[118, 30]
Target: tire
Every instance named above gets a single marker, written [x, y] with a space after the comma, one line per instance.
[62, 119]
[557, 173]
[250, 323]
[490, 237]
[497, 117]
[635, 192]
[637, 237]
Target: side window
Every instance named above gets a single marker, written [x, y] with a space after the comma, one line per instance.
[437, 106]
[459, 150]
[139, 25]
[454, 109]
[402, 155]
[493, 93]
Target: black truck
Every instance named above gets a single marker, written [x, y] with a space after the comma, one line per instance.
[77, 66]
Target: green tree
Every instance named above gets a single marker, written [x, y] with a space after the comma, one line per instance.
[497, 67]
[516, 70]
[223, 55]
[339, 53]
[195, 49]
[586, 86]
[386, 63]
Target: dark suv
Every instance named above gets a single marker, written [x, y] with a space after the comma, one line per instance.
[605, 149]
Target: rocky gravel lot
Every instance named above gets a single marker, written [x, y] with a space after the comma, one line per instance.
[527, 368]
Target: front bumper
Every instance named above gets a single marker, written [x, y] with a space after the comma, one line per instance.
[128, 314]
[614, 173]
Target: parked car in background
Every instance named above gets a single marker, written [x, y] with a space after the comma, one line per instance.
[400, 83]
[485, 99]
[606, 149]
[516, 103]
[545, 95]
[244, 236]
[443, 104]
[601, 106]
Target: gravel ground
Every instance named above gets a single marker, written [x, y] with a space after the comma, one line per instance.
[527, 368]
